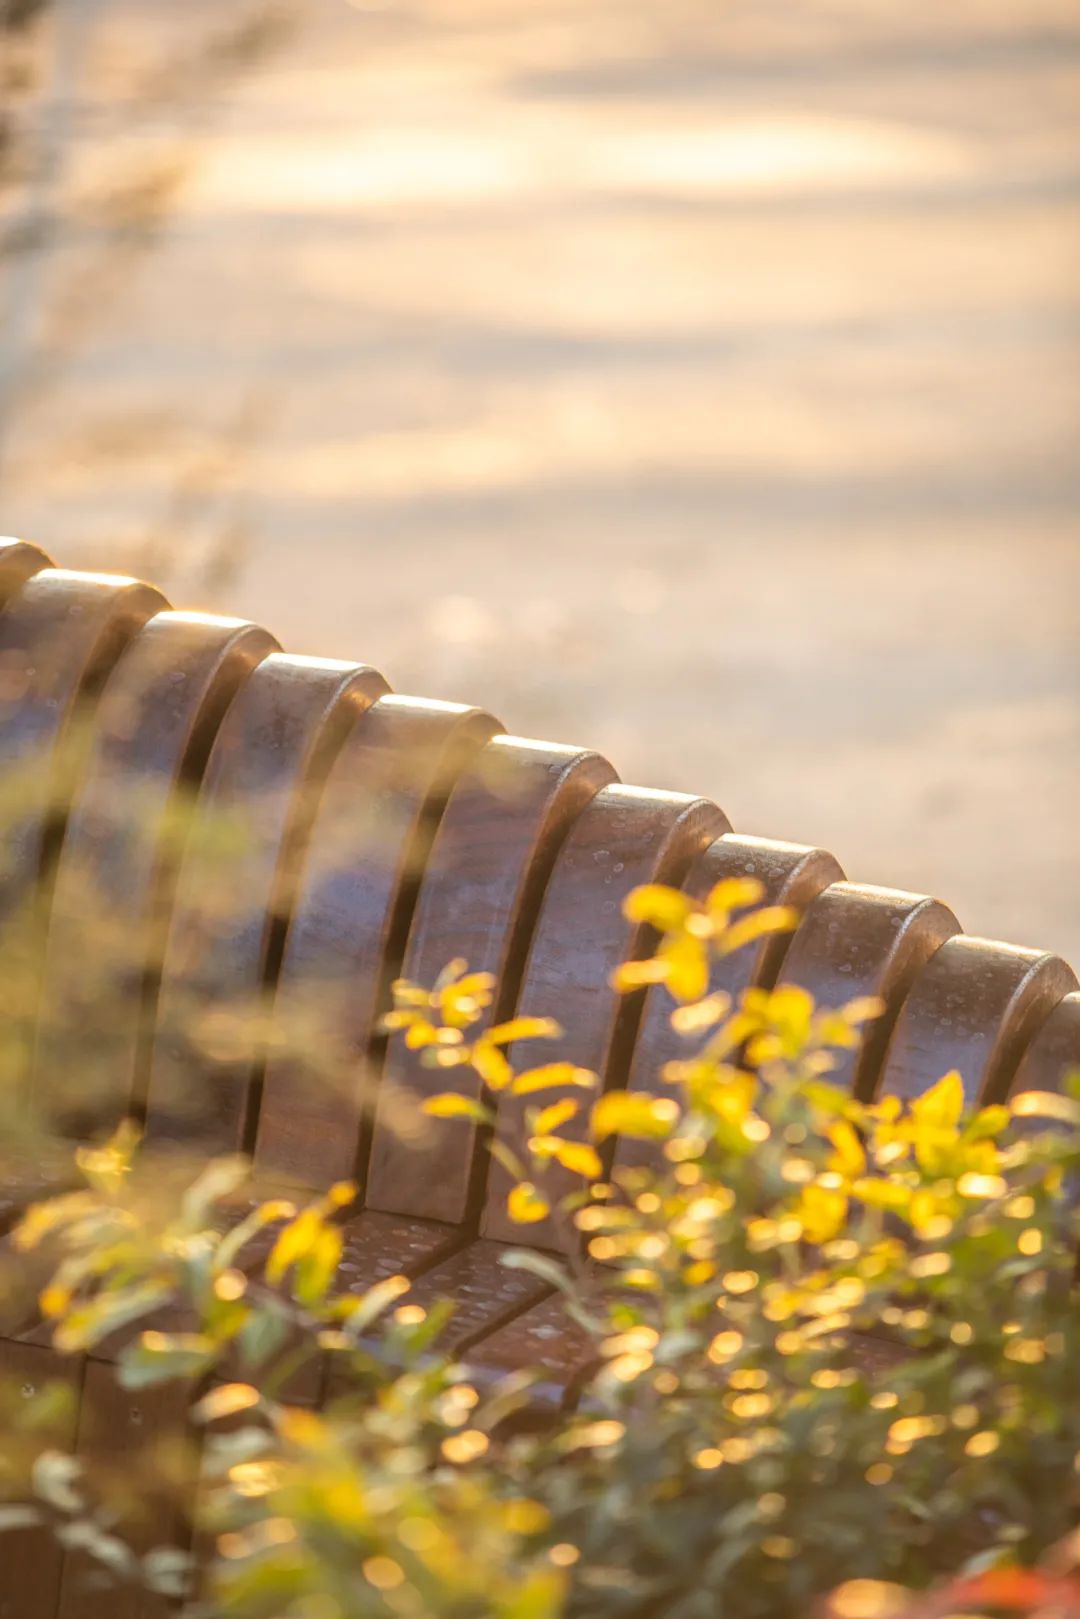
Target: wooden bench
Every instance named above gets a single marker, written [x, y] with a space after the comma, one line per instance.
[379, 836]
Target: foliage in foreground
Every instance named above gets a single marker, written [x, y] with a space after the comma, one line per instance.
[835, 1345]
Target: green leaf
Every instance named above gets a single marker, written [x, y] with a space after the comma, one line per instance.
[372, 1303]
[1045, 1105]
[19, 1517]
[221, 1177]
[548, 1270]
[264, 1214]
[53, 1478]
[108, 1550]
[168, 1571]
[90, 1323]
[158, 1357]
[261, 1336]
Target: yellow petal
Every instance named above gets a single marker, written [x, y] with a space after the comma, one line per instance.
[665, 908]
[633, 975]
[579, 1158]
[629, 1113]
[733, 894]
[452, 1105]
[524, 1028]
[420, 1032]
[943, 1104]
[758, 925]
[297, 1239]
[686, 967]
[850, 1157]
[525, 1205]
[491, 1065]
[551, 1076]
[226, 1401]
[550, 1118]
[701, 1015]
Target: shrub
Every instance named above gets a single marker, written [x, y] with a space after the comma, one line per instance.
[835, 1344]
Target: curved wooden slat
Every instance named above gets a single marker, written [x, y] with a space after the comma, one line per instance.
[19, 561]
[973, 1008]
[368, 847]
[790, 874]
[1054, 1051]
[482, 887]
[59, 639]
[154, 724]
[857, 940]
[626, 837]
[235, 890]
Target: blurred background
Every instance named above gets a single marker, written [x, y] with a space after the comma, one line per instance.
[695, 380]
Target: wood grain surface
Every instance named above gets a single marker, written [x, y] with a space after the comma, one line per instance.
[974, 1007]
[235, 891]
[31, 1560]
[857, 940]
[485, 881]
[1054, 1051]
[369, 845]
[627, 836]
[19, 561]
[60, 637]
[152, 731]
[137, 1442]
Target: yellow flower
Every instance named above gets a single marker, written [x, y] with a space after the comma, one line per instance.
[526, 1205]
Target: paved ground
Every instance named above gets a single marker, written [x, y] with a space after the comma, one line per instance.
[698, 381]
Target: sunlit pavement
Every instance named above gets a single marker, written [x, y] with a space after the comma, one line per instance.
[697, 381]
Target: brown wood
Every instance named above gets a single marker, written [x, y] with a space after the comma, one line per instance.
[973, 1008]
[376, 1247]
[154, 724]
[59, 639]
[136, 1441]
[857, 940]
[484, 881]
[265, 773]
[1054, 1051]
[376, 836]
[369, 843]
[31, 1560]
[545, 1337]
[31, 1169]
[485, 1293]
[790, 874]
[627, 836]
[19, 561]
